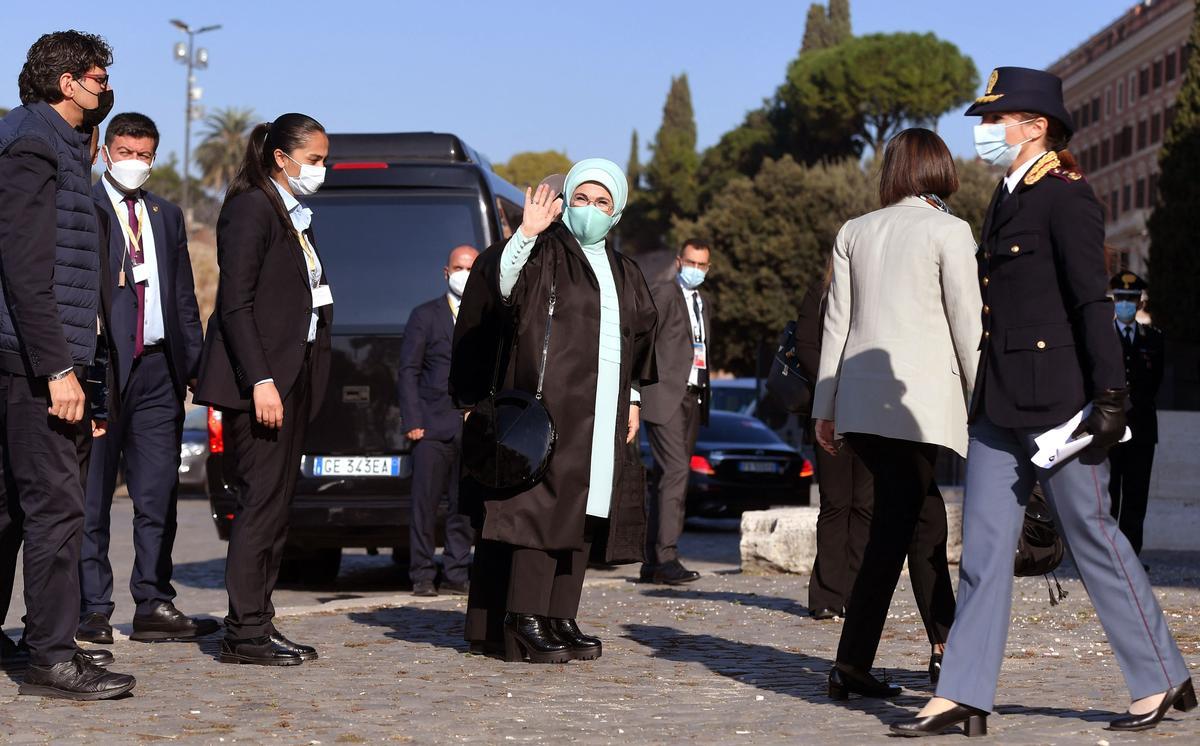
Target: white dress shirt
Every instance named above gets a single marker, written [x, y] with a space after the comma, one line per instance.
[698, 330]
[153, 328]
[1126, 330]
[1012, 180]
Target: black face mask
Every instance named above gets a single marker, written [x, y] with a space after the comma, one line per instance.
[93, 117]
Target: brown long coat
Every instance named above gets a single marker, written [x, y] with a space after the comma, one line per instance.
[550, 515]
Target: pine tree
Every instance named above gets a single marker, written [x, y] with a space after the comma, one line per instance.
[1174, 259]
[818, 34]
[633, 170]
[671, 173]
[839, 20]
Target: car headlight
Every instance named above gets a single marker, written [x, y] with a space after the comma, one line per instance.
[191, 449]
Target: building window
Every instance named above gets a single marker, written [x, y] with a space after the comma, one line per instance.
[1104, 153]
[1169, 64]
[1126, 193]
[1152, 191]
[1156, 127]
[1157, 72]
[1168, 119]
[1144, 82]
[1141, 134]
[1084, 116]
[1114, 210]
[1108, 102]
[1096, 109]
[1139, 197]
[1094, 158]
[1120, 95]
[1126, 143]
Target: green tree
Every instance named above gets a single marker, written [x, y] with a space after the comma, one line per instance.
[771, 235]
[223, 146]
[875, 85]
[529, 168]
[671, 173]
[818, 33]
[166, 181]
[976, 183]
[1174, 259]
[740, 151]
[3, 111]
[633, 169]
[839, 20]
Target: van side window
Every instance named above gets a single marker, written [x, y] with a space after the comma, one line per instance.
[510, 216]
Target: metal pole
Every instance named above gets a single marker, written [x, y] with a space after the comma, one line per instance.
[187, 136]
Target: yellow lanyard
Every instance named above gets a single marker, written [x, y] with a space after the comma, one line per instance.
[132, 238]
[310, 258]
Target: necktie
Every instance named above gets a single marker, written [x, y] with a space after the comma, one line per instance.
[702, 374]
[136, 258]
[1129, 334]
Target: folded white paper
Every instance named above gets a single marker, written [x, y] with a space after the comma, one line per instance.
[1056, 446]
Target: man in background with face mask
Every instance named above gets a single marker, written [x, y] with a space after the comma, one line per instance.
[50, 303]
[434, 425]
[675, 407]
[1130, 462]
[156, 334]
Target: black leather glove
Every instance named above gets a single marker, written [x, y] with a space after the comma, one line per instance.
[1106, 421]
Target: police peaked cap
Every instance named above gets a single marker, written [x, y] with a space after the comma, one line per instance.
[1012, 89]
[1128, 282]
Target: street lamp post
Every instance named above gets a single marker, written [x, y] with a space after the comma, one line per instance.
[193, 58]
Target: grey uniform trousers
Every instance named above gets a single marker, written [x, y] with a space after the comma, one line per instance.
[1000, 477]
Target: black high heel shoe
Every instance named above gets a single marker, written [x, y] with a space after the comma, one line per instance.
[1182, 698]
[974, 723]
[935, 667]
[844, 681]
[529, 637]
[583, 647]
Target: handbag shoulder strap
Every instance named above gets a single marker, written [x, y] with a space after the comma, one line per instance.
[549, 321]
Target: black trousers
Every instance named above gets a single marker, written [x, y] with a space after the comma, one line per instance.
[263, 465]
[147, 433]
[902, 472]
[522, 580]
[672, 444]
[435, 473]
[41, 503]
[843, 522]
[1130, 465]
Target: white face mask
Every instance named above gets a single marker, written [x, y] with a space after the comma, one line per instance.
[458, 282]
[128, 175]
[310, 179]
[991, 143]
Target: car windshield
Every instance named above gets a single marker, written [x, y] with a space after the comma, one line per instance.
[738, 430]
[733, 399]
[385, 252]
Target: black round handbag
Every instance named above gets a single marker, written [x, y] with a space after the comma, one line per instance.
[508, 438]
[1040, 548]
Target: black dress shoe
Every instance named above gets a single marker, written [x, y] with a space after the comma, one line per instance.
[1182, 698]
[424, 588]
[935, 667]
[674, 573]
[454, 589]
[259, 651]
[306, 652]
[646, 574]
[844, 681]
[974, 723]
[168, 624]
[529, 637]
[583, 647]
[76, 679]
[823, 614]
[95, 656]
[94, 628]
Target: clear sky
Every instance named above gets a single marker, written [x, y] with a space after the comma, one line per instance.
[513, 76]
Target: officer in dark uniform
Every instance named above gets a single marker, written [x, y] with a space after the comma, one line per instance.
[1130, 462]
[1048, 349]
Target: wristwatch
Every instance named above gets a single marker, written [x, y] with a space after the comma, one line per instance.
[61, 375]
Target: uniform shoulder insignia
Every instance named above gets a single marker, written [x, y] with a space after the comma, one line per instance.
[1044, 165]
[1066, 174]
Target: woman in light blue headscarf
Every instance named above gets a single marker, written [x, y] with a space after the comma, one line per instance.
[534, 545]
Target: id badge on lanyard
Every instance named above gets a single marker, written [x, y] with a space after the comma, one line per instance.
[699, 356]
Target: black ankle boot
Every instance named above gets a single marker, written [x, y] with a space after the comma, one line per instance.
[529, 637]
[583, 647]
[845, 680]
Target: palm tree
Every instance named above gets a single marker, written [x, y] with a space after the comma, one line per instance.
[220, 153]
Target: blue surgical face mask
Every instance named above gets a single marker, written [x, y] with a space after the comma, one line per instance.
[1126, 311]
[588, 224]
[991, 143]
[691, 277]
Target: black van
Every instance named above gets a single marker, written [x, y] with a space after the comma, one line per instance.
[391, 209]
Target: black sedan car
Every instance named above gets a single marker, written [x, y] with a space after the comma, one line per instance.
[741, 464]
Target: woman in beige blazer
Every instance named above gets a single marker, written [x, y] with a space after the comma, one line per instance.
[898, 360]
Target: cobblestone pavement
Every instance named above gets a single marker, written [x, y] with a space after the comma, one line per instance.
[729, 659]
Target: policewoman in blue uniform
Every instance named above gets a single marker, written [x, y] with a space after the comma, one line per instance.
[1130, 463]
[1048, 349]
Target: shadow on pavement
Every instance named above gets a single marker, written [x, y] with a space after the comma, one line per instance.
[770, 603]
[437, 627]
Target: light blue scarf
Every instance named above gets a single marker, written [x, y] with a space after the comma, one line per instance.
[589, 224]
